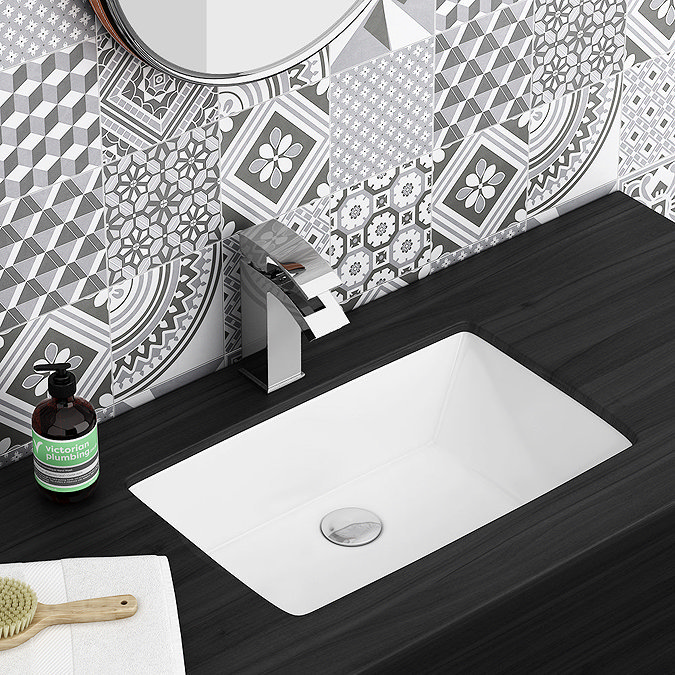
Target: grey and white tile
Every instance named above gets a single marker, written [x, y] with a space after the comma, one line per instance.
[385, 26]
[232, 296]
[483, 72]
[52, 249]
[441, 262]
[654, 188]
[77, 333]
[574, 149]
[30, 29]
[576, 44]
[381, 114]
[235, 98]
[50, 124]
[313, 223]
[142, 106]
[275, 156]
[650, 29]
[451, 12]
[166, 327]
[387, 287]
[162, 203]
[648, 115]
[480, 186]
[382, 228]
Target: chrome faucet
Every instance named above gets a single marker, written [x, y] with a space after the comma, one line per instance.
[285, 293]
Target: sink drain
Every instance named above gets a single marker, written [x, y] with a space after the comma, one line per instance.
[351, 527]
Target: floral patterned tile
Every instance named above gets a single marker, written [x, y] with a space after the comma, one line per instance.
[274, 157]
[381, 227]
[381, 114]
[480, 185]
[576, 44]
[650, 29]
[162, 203]
[76, 333]
[29, 29]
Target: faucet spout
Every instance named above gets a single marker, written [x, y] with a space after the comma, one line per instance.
[285, 289]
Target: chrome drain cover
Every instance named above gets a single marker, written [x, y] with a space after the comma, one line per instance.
[351, 527]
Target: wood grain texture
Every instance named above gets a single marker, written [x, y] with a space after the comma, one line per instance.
[587, 301]
[101, 12]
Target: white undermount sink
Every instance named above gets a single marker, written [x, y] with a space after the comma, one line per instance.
[437, 444]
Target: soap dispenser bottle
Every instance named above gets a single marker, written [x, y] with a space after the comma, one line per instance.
[65, 440]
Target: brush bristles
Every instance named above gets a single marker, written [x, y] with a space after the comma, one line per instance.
[18, 603]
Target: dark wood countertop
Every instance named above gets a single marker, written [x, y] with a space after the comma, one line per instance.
[588, 299]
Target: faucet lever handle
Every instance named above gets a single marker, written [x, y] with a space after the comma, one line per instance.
[293, 267]
[276, 242]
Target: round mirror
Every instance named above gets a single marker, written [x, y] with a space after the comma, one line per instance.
[223, 42]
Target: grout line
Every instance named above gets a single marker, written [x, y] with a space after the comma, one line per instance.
[650, 167]
[4, 69]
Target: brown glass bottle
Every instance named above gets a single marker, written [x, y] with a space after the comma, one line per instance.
[64, 417]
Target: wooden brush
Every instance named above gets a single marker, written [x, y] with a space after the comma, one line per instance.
[22, 616]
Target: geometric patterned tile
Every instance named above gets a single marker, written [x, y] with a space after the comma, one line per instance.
[574, 147]
[450, 12]
[382, 228]
[311, 222]
[359, 299]
[385, 26]
[29, 29]
[650, 29]
[238, 97]
[162, 203]
[648, 115]
[52, 249]
[387, 287]
[576, 44]
[141, 106]
[480, 184]
[654, 188]
[50, 125]
[483, 72]
[167, 326]
[448, 259]
[232, 295]
[275, 156]
[78, 333]
[381, 114]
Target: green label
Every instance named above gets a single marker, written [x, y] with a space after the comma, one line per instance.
[66, 466]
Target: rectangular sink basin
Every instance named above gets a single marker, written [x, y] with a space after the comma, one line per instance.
[437, 444]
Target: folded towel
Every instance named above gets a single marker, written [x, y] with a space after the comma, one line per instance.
[147, 643]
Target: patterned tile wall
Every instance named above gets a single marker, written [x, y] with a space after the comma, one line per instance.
[427, 132]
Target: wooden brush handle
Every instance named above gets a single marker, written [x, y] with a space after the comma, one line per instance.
[84, 611]
[79, 611]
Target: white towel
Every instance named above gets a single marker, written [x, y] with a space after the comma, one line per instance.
[147, 643]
